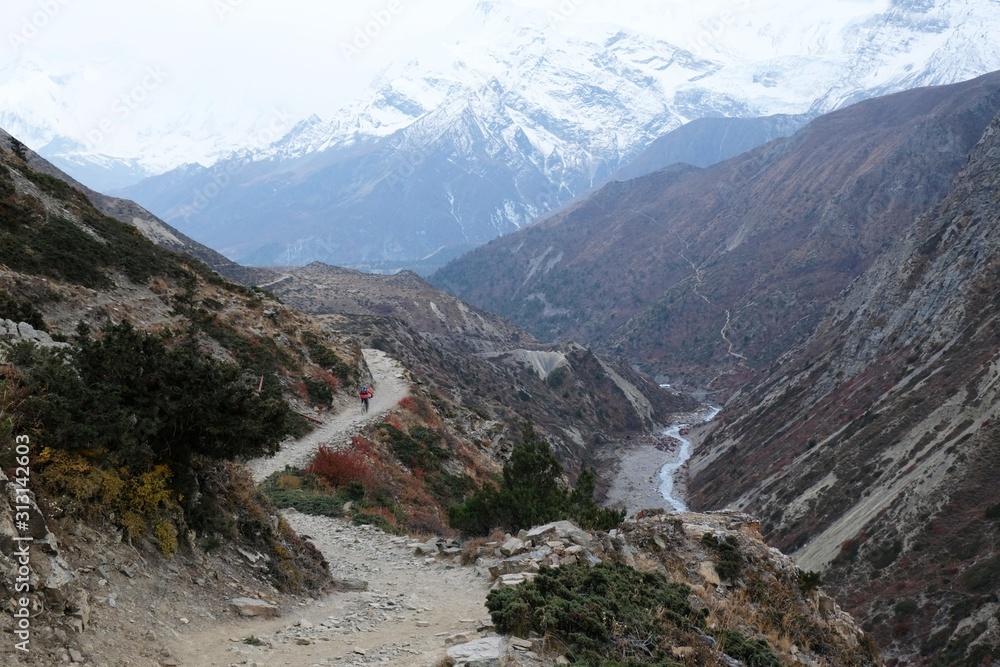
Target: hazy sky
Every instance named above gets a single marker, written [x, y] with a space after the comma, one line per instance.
[183, 72]
[318, 52]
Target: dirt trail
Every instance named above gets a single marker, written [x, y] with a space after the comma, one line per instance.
[412, 604]
[389, 385]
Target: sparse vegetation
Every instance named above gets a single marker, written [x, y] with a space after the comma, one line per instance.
[326, 358]
[307, 494]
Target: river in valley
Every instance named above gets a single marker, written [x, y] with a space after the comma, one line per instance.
[671, 469]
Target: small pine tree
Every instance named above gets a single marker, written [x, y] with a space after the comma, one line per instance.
[530, 494]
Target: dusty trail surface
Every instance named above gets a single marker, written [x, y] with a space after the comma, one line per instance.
[412, 606]
[412, 603]
[390, 387]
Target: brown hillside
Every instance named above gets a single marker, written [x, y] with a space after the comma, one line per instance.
[693, 273]
[471, 358]
[872, 450]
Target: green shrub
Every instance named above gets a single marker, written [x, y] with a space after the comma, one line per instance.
[529, 494]
[20, 311]
[885, 554]
[905, 607]
[292, 489]
[326, 358]
[809, 580]
[730, 559]
[127, 404]
[992, 512]
[610, 614]
[319, 392]
[983, 576]
[753, 652]
[419, 448]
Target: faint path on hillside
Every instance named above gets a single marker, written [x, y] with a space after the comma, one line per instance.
[390, 386]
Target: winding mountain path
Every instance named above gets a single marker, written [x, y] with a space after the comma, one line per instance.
[412, 606]
[390, 386]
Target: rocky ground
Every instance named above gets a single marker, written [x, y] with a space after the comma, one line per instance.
[412, 607]
[397, 600]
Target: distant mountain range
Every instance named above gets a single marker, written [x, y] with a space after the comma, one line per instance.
[518, 117]
[837, 290]
[695, 273]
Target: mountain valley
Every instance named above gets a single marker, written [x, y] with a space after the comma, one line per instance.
[577, 265]
[512, 121]
[835, 290]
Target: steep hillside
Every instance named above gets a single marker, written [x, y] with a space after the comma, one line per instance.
[130, 213]
[697, 273]
[131, 379]
[871, 451]
[707, 141]
[466, 357]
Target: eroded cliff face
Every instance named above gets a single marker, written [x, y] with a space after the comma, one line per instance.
[871, 450]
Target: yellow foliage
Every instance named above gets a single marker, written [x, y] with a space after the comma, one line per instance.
[289, 481]
[138, 505]
[166, 537]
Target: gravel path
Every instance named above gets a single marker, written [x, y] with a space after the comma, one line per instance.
[413, 607]
[389, 385]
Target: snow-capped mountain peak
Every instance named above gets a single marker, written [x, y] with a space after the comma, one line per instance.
[509, 112]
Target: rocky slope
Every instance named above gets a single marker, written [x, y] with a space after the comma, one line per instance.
[871, 449]
[710, 275]
[581, 402]
[418, 600]
[124, 210]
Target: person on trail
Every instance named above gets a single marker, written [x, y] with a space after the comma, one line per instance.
[365, 394]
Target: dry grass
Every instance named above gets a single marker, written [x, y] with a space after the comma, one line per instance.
[470, 549]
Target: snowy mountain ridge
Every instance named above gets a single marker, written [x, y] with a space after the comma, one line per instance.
[519, 110]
